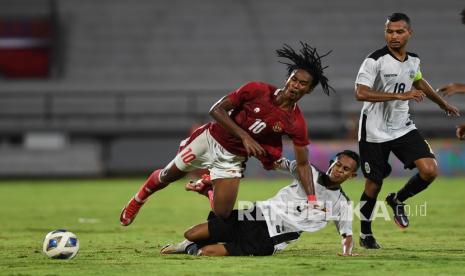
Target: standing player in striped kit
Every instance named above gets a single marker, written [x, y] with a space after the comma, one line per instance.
[248, 122]
[386, 81]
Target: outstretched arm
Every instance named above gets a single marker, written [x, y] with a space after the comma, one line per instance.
[452, 88]
[219, 112]
[365, 93]
[424, 86]
[304, 172]
[197, 232]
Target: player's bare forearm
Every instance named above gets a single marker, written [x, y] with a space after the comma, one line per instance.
[424, 86]
[303, 169]
[305, 176]
[366, 94]
[452, 88]
[219, 112]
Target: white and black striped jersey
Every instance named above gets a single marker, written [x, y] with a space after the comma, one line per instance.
[289, 212]
[382, 71]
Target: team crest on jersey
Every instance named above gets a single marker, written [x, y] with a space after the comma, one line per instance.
[278, 127]
[256, 109]
[367, 167]
[411, 74]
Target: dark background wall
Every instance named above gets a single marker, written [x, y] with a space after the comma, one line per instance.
[127, 79]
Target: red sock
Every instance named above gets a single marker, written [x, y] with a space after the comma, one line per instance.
[151, 185]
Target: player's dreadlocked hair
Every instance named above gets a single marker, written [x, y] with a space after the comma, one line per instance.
[309, 60]
[463, 16]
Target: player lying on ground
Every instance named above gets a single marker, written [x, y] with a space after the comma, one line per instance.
[248, 122]
[270, 225]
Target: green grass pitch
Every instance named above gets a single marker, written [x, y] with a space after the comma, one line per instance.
[434, 244]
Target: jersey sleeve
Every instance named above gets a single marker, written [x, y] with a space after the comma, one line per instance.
[244, 93]
[418, 74]
[287, 166]
[290, 167]
[299, 134]
[344, 223]
[367, 73]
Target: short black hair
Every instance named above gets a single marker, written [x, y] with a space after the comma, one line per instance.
[309, 60]
[398, 16]
[351, 154]
[463, 16]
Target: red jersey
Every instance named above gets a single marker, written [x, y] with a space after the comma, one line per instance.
[257, 113]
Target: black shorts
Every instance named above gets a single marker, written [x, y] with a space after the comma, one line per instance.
[241, 237]
[408, 148]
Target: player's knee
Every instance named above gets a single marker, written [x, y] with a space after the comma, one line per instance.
[372, 189]
[191, 233]
[171, 174]
[429, 173]
[188, 234]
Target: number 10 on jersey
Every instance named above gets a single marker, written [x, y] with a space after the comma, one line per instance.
[187, 156]
[257, 126]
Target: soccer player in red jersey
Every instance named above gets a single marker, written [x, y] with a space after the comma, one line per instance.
[248, 122]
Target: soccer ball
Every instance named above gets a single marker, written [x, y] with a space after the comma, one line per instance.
[60, 244]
